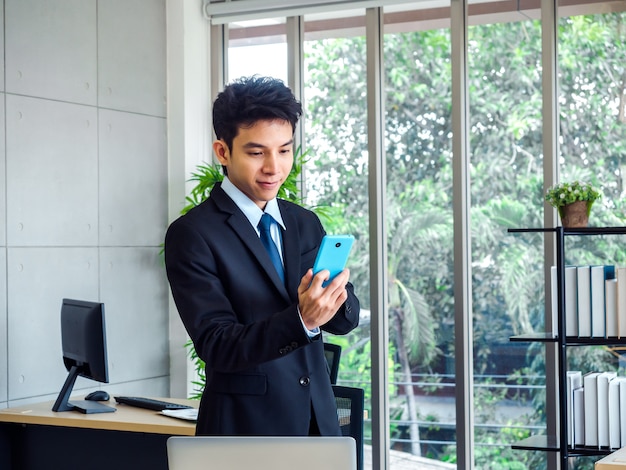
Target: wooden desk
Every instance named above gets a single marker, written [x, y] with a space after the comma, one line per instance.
[614, 461]
[34, 437]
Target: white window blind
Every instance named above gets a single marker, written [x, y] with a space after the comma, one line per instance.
[224, 12]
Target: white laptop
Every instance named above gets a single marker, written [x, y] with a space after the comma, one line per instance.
[261, 453]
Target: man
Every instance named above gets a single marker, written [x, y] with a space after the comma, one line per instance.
[259, 336]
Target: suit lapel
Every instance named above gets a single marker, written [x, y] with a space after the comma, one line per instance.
[291, 249]
[247, 234]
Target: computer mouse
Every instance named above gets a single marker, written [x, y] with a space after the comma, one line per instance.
[98, 395]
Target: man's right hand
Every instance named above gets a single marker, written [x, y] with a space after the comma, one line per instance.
[318, 305]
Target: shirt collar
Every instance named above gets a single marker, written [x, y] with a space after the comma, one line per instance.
[249, 208]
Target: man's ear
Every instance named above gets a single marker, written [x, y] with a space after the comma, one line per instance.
[221, 151]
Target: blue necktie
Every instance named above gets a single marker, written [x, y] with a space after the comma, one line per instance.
[270, 246]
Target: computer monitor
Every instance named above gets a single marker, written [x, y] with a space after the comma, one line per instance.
[83, 338]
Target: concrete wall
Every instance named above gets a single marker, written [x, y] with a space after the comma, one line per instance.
[83, 199]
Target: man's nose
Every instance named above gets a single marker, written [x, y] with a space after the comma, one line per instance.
[270, 164]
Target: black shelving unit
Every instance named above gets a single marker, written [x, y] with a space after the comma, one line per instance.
[559, 443]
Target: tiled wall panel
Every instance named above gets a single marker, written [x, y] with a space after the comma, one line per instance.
[3, 327]
[133, 179]
[134, 290]
[3, 201]
[1, 45]
[38, 279]
[52, 187]
[132, 59]
[83, 198]
[51, 49]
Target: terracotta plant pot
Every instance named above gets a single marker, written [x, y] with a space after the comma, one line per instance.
[575, 215]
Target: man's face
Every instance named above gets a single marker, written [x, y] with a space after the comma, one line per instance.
[260, 160]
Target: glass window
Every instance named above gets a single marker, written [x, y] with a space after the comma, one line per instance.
[418, 145]
[336, 171]
[592, 99]
[257, 48]
[507, 270]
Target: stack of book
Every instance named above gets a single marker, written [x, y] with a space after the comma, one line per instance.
[596, 409]
[595, 301]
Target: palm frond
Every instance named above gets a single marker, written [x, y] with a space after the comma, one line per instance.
[519, 269]
[417, 325]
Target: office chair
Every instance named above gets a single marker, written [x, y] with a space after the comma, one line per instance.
[332, 352]
[350, 408]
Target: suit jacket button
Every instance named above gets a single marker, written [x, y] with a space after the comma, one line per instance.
[294, 345]
[304, 381]
[282, 351]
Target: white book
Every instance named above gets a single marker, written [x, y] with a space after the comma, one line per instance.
[621, 301]
[571, 301]
[574, 382]
[603, 407]
[590, 383]
[615, 439]
[597, 301]
[599, 274]
[622, 411]
[583, 301]
[579, 416]
[610, 307]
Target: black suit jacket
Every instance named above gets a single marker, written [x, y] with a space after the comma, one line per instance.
[264, 373]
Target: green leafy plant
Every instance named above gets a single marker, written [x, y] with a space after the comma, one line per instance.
[198, 365]
[563, 194]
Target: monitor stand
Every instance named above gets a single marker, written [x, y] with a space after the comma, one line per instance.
[62, 402]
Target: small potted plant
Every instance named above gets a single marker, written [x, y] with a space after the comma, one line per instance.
[573, 201]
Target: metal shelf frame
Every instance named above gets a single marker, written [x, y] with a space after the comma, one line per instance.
[559, 443]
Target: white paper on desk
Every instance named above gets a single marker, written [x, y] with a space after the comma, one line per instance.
[188, 414]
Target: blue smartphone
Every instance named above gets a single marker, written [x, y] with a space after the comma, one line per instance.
[333, 255]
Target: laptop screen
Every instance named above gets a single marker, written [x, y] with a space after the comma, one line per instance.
[261, 453]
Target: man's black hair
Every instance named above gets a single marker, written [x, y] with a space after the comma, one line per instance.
[251, 99]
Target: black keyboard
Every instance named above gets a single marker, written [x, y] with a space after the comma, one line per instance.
[150, 403]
